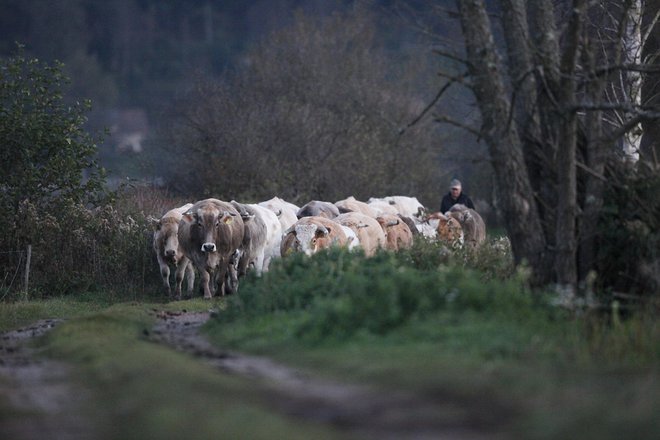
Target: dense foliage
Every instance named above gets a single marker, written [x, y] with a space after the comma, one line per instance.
[53, 198]
[338, 294]
[45, 154]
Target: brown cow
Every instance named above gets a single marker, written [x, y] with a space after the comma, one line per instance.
[170, 253]
[352, 205]
[474, 227]
[397, 233]
[311, 234]
[366, 228]
[211, 233]
[449, 229]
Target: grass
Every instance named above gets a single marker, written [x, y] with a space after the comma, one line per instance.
[149, 391]
[414, 321]
[451, 331]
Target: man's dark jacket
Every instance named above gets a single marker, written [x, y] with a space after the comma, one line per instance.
[448, 202]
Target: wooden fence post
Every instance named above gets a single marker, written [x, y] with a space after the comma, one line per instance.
[26, 279]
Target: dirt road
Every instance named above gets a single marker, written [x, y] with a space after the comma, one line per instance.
[44, 401]
[359, 410]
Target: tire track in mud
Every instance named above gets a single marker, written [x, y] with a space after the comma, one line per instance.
[355, 409]
[43, 401]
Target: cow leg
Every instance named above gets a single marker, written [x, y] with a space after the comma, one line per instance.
[180, 272]
[206, 277]
[190, 277]
[165, 276]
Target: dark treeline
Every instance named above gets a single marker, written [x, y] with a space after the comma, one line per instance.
[138, 52]
[138, 60]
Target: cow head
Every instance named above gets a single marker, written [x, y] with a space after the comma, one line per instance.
[166, 236]
[309, 238]
[205, 224]
[450, 231]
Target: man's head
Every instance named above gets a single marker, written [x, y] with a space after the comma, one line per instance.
[455, 188]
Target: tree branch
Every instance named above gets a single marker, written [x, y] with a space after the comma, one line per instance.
[447, 120]
[428, 107]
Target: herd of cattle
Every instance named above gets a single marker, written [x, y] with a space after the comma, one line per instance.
[223, 240]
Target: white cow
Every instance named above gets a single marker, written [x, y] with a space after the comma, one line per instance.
[352, 239]
[404, 205]
[273, 235]
[285, 211]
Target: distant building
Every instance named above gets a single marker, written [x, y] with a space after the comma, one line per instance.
[128, 129]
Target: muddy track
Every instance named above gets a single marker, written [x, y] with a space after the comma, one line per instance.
[358, 410]
[45, 402]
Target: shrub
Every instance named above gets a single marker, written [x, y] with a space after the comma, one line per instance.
[336, 294]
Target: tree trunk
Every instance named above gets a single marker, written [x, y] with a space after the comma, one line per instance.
[566, 255]
[632, 54]
[517, 199]
[527, 116]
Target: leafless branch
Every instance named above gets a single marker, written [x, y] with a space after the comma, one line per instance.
[447, 120]
[450, 55]
[428, 107]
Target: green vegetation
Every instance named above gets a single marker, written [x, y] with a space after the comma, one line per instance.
[150, 391]
[448, 329]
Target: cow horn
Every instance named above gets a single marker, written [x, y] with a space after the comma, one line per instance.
[392, 223]
[322, 230]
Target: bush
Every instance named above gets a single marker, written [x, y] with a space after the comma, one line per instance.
[336, 294]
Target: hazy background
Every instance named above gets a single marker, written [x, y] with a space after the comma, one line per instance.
[150, 65]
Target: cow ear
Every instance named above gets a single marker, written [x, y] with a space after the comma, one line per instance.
[188, 216]
[322, 231]
[228, 220]
[154, 222]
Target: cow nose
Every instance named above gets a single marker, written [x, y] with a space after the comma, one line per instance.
[170, 253]
[208, 247]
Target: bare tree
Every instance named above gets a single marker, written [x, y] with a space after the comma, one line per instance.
[569, 66]
[313, 113]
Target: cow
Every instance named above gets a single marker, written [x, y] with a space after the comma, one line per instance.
[474, 227]
[211, 233]
[352, 205]
[311, 234]
[317, 208]
[367, 229]
[352, 240]
[253, 246]
[273, 235]
[449, 230]
[170, 253]
[397, 233]
[380, 207]
[285, 211]
[404, 205]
